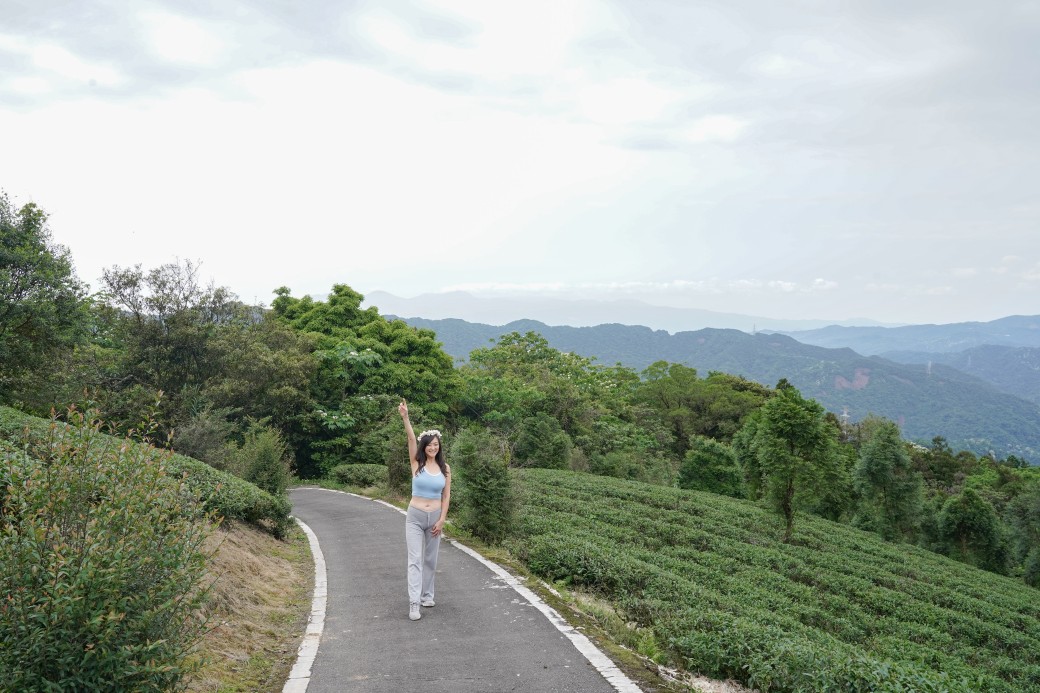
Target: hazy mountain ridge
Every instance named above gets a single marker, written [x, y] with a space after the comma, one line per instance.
[501, 310]
[926, 401]
[1015, 370]
[1012, 331]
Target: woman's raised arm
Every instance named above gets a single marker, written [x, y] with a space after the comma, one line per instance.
[413, 448]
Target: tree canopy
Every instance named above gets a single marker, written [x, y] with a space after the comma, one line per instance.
[43, 306]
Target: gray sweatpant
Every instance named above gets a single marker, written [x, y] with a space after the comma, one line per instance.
[422, 552]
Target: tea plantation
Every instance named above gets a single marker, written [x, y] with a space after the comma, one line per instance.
[837, 609]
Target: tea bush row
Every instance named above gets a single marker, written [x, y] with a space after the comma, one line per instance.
[836, 603]
[223, 493]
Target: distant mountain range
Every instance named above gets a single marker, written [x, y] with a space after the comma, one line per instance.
[1015, 370]
[1013, 331]
[926, 399]
[582, 313]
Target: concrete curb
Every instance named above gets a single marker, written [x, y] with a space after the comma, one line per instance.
[614, 676]
[300, 676]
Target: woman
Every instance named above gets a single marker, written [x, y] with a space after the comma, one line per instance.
[431, 493]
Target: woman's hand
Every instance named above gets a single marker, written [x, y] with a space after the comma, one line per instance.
[436, 531]
[402, 409]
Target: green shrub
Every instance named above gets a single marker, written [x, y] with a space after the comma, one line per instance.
[395, 457]
[360, 474]
[482, 491]
[1032, 568]
[207, 436]
[102, 567]
[711, 466]
[636, 465]
[265, 460]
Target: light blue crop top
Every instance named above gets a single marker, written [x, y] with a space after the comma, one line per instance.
[426, 485]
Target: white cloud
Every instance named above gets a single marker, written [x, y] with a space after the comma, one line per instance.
[55, 66]
[1032, 274]
[559, 145]
[508, 39]
[181, 40]
[714, 128]
[884, 288]
[777, 65]
[624, 101]
[32, 86]
[824, 284]
[62, 62]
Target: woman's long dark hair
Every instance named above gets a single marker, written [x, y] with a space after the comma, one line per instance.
[420, 454]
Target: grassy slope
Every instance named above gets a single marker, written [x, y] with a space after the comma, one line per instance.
[260, 603]
[836, 609]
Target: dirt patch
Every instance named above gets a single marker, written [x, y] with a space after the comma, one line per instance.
[859, 381]
[258, 611]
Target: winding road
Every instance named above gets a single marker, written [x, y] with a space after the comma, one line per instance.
[487, 632]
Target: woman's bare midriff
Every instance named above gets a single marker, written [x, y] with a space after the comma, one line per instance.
[427, 505]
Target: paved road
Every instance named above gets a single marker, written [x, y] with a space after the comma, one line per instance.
[482, 636]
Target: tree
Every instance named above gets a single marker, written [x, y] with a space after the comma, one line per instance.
[536, 379]
[667, 389]
[973, 533]
[265, 459]
[521, 377]
[1023, 514]
[711, 466]
[542, 443]
[688, 406]
[365, 365]
[787, 451]
[163, 322]
[939, 465]
[43, 308]
[889, 487]
[480, 463]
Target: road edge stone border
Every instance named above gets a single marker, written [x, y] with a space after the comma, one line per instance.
[300, 676]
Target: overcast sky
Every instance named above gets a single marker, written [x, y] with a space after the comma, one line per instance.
[804, 159]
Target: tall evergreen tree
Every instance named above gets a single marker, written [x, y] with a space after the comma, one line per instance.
[889, 487]
[973, 532]
[787, 451]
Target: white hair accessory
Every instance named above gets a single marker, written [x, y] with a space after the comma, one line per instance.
[431, 432]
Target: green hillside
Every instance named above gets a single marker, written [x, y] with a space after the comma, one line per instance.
[927, 402]
[836, 609]
[1014, 370]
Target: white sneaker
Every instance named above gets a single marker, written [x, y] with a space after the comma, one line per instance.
[428, 602]
[413, 611]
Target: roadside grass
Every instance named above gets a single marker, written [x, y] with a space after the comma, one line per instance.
[258, 610]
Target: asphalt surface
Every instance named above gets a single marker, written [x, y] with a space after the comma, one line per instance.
[481, 636]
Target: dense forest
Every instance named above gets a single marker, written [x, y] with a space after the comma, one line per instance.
[316, 383]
